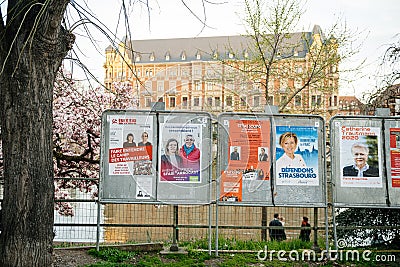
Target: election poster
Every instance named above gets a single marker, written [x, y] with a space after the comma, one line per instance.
[297, 155]
[248, 156]
[231, 186]
[180, 152]
[130, 151]
[360, 157]
[395, 156]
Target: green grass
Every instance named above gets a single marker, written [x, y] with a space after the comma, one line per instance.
[198, 256]
[112, 254]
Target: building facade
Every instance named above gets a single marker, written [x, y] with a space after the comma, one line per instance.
[208, 74]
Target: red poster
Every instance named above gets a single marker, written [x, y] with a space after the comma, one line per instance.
[395, 156]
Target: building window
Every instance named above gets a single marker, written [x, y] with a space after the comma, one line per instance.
[172, 87]
[335, 98]
[217, 101]
[148, 102]
[198, 56]
[197, 71]
[229, 101]
[196, 102]
[299, 69]
[283, 99]
[270, 100]
[315, 100]
[185, 72]
[209, 101]
[297, 101]
[197, 85]
[184, 101]
[256, 101]
[172, 103]
[160, 86]
[172, 72]
[243, 101]
[161, 99]
[149, 73]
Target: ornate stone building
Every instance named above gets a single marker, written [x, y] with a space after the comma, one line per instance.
[206, 74]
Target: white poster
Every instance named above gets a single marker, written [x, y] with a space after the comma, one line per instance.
[359, 156]
[130, 147]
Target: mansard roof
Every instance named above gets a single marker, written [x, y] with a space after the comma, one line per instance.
[213, 48]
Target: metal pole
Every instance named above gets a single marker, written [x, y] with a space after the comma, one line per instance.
[209, 228]
[326, 232]
[98, 226]
[175, 233]
[334, 229]
[315, 245]
[216, 228]
[264, 223]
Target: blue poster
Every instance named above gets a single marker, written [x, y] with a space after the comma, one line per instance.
[296, 155]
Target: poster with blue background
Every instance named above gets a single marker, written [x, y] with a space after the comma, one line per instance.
[297, 155]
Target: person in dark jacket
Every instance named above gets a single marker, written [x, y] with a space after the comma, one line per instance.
[171, 159]
[277, 234]
[360, 168]
[235, 154]
[305, 233]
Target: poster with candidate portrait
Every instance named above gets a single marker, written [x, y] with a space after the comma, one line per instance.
[130, 155]
[395, 156]
[180, 152]
[130, 149]
[360, 157]
[297, 155]
[248, 158]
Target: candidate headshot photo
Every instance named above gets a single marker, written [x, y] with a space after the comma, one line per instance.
[235, 153]
[288, 142]
[262, 155]
[360, 166]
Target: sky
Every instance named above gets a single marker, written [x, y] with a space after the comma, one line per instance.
[376, 23]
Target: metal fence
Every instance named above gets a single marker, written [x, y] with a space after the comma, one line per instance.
[157, 222]
[137, 223]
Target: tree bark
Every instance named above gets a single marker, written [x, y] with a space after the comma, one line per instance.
[33, 47]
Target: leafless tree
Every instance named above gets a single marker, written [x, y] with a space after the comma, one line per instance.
[36, 37]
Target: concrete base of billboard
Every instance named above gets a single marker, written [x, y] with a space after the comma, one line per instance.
[173, 250]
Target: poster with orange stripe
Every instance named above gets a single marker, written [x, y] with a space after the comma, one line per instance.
[248, 155]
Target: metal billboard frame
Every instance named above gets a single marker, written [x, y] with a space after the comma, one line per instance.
[150, 120]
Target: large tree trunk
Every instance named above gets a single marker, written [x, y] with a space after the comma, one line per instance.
[32, 48]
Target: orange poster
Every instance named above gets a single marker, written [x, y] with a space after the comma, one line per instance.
[249, 148]
[231, 186]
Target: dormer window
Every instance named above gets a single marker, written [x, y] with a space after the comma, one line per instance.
[246, 54]
[137, 59]
[215, 55]
[183, 56]
[230, 55]
[167, 57]
[198, 55]
[152, 57]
